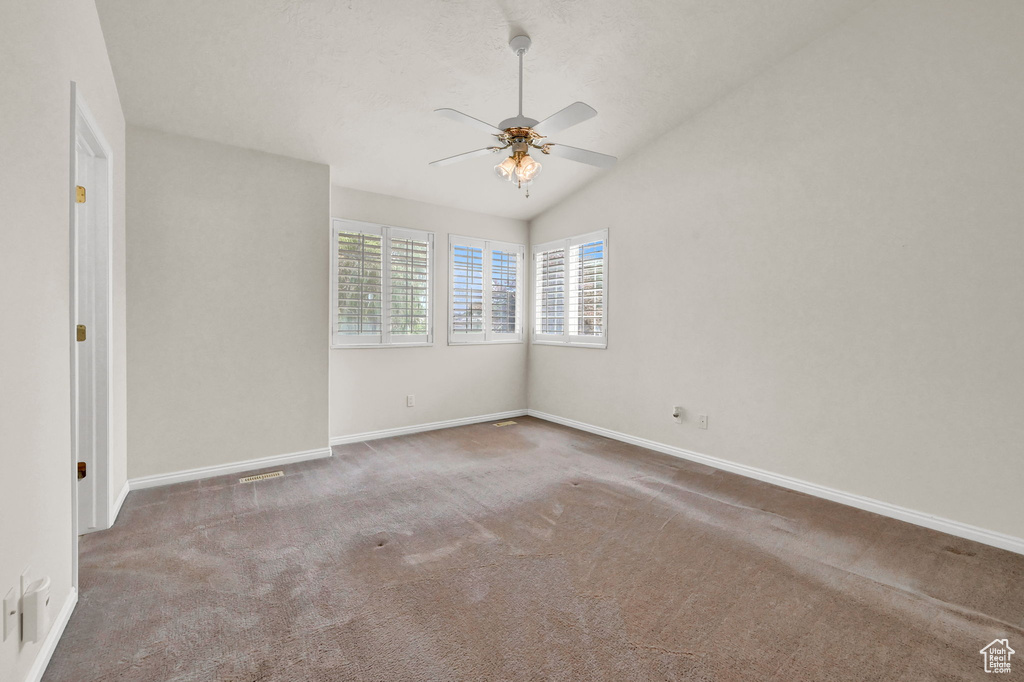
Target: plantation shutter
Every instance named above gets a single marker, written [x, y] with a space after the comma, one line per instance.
[467, 290]
[382, 285]
[570, 280]
[410, 286]
[550, 292]
[586, 284]
[505, 279]
[360, 289]
[486, 278]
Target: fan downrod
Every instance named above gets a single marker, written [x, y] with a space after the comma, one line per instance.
[520, 45]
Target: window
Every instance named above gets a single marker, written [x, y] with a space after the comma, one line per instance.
[570, 279]
[486, 281]
[381, 285]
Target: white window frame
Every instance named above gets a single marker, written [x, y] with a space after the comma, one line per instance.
[566, 339]
[384, 339]
[487, 247]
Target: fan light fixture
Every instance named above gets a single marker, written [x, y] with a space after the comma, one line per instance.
[506, 170]
[521, 133]
[520, 168]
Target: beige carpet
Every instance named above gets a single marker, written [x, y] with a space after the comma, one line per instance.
[528, 552]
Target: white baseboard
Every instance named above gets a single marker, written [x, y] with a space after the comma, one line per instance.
[222, 469]
[963, 530]
[116, 508]
[432, 426]
[35, 673]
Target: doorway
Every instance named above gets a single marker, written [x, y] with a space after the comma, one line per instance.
[91, 259]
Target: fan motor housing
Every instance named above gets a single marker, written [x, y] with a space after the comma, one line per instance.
[519, 135]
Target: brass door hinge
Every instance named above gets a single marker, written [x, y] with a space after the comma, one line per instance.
[79, 194]
[80, 332]
[81, 470]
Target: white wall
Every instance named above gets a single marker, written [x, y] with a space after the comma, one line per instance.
[44, 45]
[227, 269]
[830, 264]
[369, 385]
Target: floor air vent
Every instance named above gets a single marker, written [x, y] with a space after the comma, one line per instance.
[261, 477]
[508, 423]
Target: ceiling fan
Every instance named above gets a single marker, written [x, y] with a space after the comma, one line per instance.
[521, 133]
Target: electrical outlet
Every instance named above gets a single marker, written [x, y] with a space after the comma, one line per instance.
[10, 613]
[677, 414]
[410, 400]
[702, 422]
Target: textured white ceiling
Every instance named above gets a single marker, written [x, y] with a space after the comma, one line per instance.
[352, 83]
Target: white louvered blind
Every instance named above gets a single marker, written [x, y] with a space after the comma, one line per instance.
[570, 282]
[360, 289]
[586, 284]
[486, 281]
[504, 291]
[467, 289]
[410, 285]
[550, 291]
[382, 287]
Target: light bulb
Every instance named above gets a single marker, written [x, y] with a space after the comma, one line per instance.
[505, 168]
[527, 168]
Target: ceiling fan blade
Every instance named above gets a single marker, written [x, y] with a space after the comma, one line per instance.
[469, 120]
[581, 155]
[465, 155]
[577, 112]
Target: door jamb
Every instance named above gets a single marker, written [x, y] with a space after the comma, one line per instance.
[103, 465]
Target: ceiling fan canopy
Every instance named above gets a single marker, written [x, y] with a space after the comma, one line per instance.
[521, 133]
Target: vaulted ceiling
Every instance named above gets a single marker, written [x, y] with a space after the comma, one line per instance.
[352, 83]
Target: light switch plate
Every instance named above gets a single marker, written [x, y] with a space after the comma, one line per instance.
[10, 613]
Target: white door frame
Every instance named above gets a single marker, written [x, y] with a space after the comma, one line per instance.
[91, 257]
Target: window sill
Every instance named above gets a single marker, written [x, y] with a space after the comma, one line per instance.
[497, 342]
[574, 344]
[381, 345]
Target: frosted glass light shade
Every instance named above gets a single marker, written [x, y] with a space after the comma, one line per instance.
[528, 168]
[506, 168]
